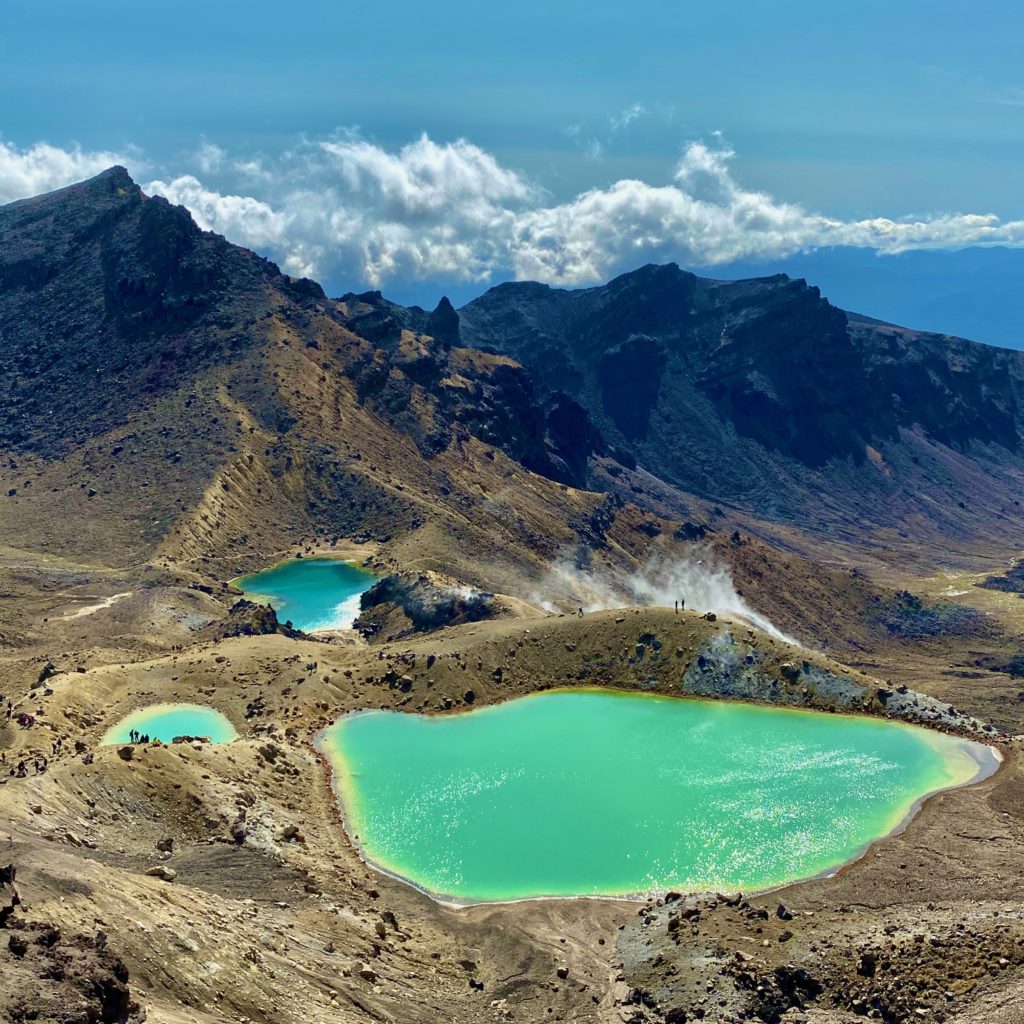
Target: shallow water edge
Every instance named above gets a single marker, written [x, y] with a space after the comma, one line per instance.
[980, 759]
[315, 606]
[142, 718]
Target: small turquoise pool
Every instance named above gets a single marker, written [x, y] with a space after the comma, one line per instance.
[311, 593]
[165, 721]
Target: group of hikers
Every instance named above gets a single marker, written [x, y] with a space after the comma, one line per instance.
[40, 764]
[134, 736]
[681, 603]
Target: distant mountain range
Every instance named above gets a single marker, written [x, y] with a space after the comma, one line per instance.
[761, 394]
[975, 293]
[118, 316]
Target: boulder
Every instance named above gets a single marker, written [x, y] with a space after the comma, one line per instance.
[9, 897]
[422, 603]
[291, 834]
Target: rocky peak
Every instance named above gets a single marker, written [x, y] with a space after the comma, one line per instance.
[736, 390]
[443, 323]
[101, 283]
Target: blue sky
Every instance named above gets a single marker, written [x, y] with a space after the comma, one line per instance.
[852, 112]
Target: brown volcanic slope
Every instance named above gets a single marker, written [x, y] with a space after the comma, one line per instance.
[173, 410]
[761, 396]
[167, 395]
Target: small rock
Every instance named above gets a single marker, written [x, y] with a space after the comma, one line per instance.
[168, 874]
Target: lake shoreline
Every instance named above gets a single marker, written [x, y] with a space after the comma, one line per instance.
[278, 585]
[142, 718]
[987, 761]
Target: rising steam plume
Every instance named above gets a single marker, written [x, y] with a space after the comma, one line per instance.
[697, 580]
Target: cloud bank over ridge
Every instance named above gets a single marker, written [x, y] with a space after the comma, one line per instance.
[347, 209]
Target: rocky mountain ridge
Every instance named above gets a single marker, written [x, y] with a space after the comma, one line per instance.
[757, 395]
[760, 393]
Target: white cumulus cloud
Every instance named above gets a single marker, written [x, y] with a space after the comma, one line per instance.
[351, 209]
[43, 168]
[357, 213]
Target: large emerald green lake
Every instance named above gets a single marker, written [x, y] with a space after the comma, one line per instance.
[588, 793]
[311, 593]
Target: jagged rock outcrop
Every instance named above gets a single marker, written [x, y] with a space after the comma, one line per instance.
[760, 393]
[443, 323]
[403, 603]
[107, 299]
[246, 618]
[491, 397]
[45, 975]
[10, 899]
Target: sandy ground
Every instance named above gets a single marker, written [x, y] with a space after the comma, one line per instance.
[271, 916]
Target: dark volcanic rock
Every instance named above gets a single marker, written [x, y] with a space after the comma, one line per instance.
[492, 397]
[75, 980]
[443, 323]
[246, 618]
[9, 898]
[762, 394]
[108, 297]
[424, 603]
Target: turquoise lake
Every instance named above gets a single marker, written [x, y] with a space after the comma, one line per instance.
[165, 721]
[587, 792]
[311, 593]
